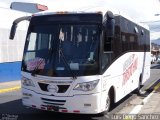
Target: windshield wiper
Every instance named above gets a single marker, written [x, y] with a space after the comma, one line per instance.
[67, 65]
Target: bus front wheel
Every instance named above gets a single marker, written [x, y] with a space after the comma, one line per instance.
[107, 105]
[109, 101]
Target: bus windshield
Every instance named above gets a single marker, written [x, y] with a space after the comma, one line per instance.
[62, 50]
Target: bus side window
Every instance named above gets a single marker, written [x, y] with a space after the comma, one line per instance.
[107, 44]
[107, 51]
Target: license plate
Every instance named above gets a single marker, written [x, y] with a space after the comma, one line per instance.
[54, 108]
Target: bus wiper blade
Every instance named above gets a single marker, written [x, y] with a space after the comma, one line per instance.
[65, 61]
[33, 73]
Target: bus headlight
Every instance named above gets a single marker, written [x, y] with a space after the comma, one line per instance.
[87, 86]
[27, 82]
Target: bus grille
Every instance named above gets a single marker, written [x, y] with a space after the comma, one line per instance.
[53, 102]
[62, 88]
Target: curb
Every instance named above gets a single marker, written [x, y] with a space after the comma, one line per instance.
[151, 85]
[10, 89]
[149, 96]
[157, 86]
[138, 108]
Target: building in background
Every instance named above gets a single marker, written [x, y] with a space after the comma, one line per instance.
[155, 52]
[11, 51]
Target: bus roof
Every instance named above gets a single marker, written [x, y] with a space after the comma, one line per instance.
[90, 9]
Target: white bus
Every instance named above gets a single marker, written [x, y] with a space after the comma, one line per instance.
[82, 62]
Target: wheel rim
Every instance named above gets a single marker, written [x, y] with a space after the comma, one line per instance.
[107, 103]
[141, 92]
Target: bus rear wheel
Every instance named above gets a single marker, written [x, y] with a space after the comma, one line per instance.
[139, 90]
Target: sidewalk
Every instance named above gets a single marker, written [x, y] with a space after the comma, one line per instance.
[10, 86]
[153, 104]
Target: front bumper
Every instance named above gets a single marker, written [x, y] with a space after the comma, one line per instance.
[84, 104]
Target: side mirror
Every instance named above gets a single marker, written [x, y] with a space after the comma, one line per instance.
[14, 25]
[13, 31]
[110, 28]
[110, 24]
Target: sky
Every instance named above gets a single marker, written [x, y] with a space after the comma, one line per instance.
[139, 10]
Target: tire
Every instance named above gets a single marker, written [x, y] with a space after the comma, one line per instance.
[108, 105]
[139, 91]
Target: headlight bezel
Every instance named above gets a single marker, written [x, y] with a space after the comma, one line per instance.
[27, 81]
[86, 86]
